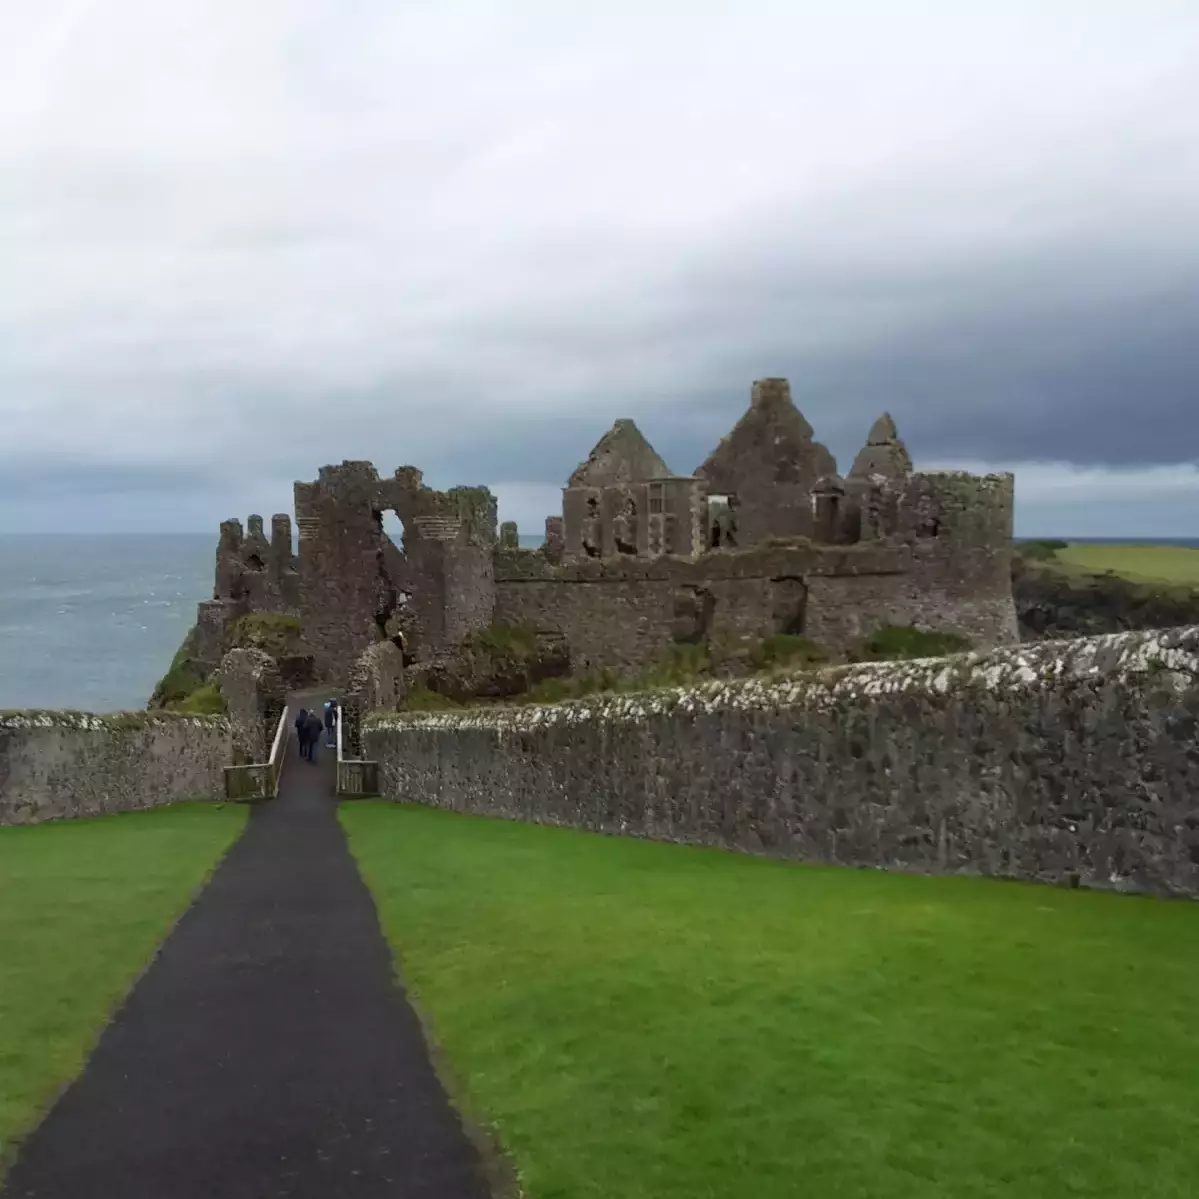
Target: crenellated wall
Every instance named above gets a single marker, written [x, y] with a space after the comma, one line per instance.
[58, 765]
[1066, 762]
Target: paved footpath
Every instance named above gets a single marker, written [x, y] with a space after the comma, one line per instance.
[268, 1051]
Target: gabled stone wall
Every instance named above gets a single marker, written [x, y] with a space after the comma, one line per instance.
[1066, 762]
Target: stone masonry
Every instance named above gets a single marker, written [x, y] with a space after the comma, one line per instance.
[1068, 762]
[765, 537]
[57, 765]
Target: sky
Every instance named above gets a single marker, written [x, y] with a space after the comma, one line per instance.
[242, 240]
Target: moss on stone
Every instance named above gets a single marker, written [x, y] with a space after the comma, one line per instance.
[205, 700]
[897, 643]
[181, 680]
[274, 633]
[422, 699]
[786, 650]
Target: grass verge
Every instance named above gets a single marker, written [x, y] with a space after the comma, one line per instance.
[648, 1020]
[83, 906]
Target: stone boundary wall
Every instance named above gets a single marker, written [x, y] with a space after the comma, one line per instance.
[57, 765]
[1069, 762]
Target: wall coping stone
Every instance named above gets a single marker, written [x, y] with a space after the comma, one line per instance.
[65, 718]
[1171, 653]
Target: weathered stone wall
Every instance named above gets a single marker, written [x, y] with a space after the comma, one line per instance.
[55, 765]
[377, 680]
[252, 687]
[620, 614]
[769, 465]
[1062, 762]
[356, 583]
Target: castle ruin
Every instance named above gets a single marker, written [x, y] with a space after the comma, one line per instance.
[764, 537]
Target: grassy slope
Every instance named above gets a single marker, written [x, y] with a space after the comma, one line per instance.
[83, 905]
[1141, 563]
[644, 1020]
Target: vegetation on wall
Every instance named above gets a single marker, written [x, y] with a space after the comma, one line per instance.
[896, 643]
[182, 679]
[188, 687]
[679, 665]
[205, 700]
[272, 632]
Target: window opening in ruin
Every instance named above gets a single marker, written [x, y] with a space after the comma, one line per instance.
[625, 527]
[391, 602]
[694, 610]
[392, 527]
[591, 528]
[722, 522]
[254, 562]
[791, 605]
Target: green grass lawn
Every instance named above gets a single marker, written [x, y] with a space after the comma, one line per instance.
[1141, 563]
[83, 906]
[641, 1020]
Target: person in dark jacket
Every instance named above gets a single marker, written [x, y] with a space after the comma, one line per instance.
[302, 732]
[330, 723]
[314, 726]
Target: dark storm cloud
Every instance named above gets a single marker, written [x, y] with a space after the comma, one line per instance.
[240, 242]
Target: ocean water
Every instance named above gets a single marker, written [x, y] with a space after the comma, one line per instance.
[92, 622]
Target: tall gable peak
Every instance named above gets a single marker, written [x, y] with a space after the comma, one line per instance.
[884, 453]
[772, 442]
[622, 455]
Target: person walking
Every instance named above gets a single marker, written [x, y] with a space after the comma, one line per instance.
[314, 735]
[330, 723]
[302, 732]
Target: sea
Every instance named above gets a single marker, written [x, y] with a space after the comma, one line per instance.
[92, 622]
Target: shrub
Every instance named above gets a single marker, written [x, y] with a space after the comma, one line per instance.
[1040, 550]
[505, 641]
[897, 642]
[180, 680]
[205, 700]
[422, 699]
[272, 632]
[786, 649]
[555, 690]
[676, 666]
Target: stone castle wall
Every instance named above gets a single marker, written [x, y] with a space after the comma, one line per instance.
[56, 765]
[1061, 762]
[620, 613]
[640, 558]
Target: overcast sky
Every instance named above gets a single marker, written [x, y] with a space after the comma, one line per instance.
[243, 238]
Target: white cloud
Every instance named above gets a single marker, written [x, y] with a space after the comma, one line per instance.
[261, 235]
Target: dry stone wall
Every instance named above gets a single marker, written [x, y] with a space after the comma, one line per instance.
[1066, 762]
[56, 765]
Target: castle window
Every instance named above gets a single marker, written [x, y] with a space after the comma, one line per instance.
[722, 521]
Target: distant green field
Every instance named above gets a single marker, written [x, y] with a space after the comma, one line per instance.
[652, 1021]
[83, 906]
[1143, 563]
